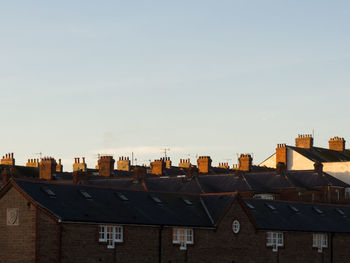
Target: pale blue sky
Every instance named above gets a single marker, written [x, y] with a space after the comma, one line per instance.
[214, 78]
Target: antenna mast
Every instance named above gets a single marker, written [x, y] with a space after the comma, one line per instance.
[165, 150]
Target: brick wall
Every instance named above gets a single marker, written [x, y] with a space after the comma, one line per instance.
[80, 244]
[48, 238]
[17, 242]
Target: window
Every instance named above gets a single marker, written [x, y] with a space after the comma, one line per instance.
[318, 211]
[236, 226]
[183, 236]
[274, 240]
[49, 192]
[264, 196]
[347, 193]
[85, 194]
[111, 235]
[319, 241]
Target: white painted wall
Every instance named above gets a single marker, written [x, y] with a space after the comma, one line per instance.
[340, 170]
[270, 162]
[296, 161]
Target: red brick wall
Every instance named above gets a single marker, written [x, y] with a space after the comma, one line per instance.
[48, 238]
[17, 243]
[80, 244]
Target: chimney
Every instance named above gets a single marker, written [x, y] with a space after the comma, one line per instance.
[7, 174]
[281, 168]
[224, 166]
[304, 141]
[167, 162]
[47, 168]
[59, 166]
[139, 173]
[123, 164]
[190, 172]
[204, 164]
[245, 162]
[106, 166]
[281, 154]
[157, 166]
[185, 163]
[79, 166]
[318, 167]
[337, 144]
[79, 176]
[32, 163]
[8, 159]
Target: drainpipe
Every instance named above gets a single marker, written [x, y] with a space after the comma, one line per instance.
[160, 244]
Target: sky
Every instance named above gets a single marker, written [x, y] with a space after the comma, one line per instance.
[198, 77]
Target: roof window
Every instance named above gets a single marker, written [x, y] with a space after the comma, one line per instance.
[48, 191]
[293, 208]
[341, 212]
[250, 205]
[187, 202]
[85, 194]
[122, 196]
[156, 199]
[271, 207]
[319, 211]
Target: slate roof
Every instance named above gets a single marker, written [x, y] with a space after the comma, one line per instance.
[261, 182]
[318, 154]
[293, 216]
[105, 205]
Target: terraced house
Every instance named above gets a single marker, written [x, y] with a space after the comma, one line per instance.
[50, 222]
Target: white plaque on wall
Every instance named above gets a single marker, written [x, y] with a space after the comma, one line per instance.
[12, 216]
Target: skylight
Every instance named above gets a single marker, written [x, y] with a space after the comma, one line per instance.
[187, 202]
[293, 208]
[319, 211]
[122, 196]
[156, 199]
[85, 194]
[48, 191]
[341, 212]
[271, 207]
[250, 205]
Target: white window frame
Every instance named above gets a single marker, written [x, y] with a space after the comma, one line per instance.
[347, 193]
[274, 240]
[319, 241]
[264, 196]
[110, 234]
[183, 236]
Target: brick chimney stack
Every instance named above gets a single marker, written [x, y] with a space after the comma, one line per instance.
[79, 166]
[8, 159]
[167, 162]
[281, 154]
[32, 163]
[204, 164]
[139, 173]
[185, 163]
[47, 168]
[79, 176]
[123, 164]
[157, 166]
[224, 166]
[337, 144]
[304, 141]
[59, 166]
[106, 166]
[245, 162]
